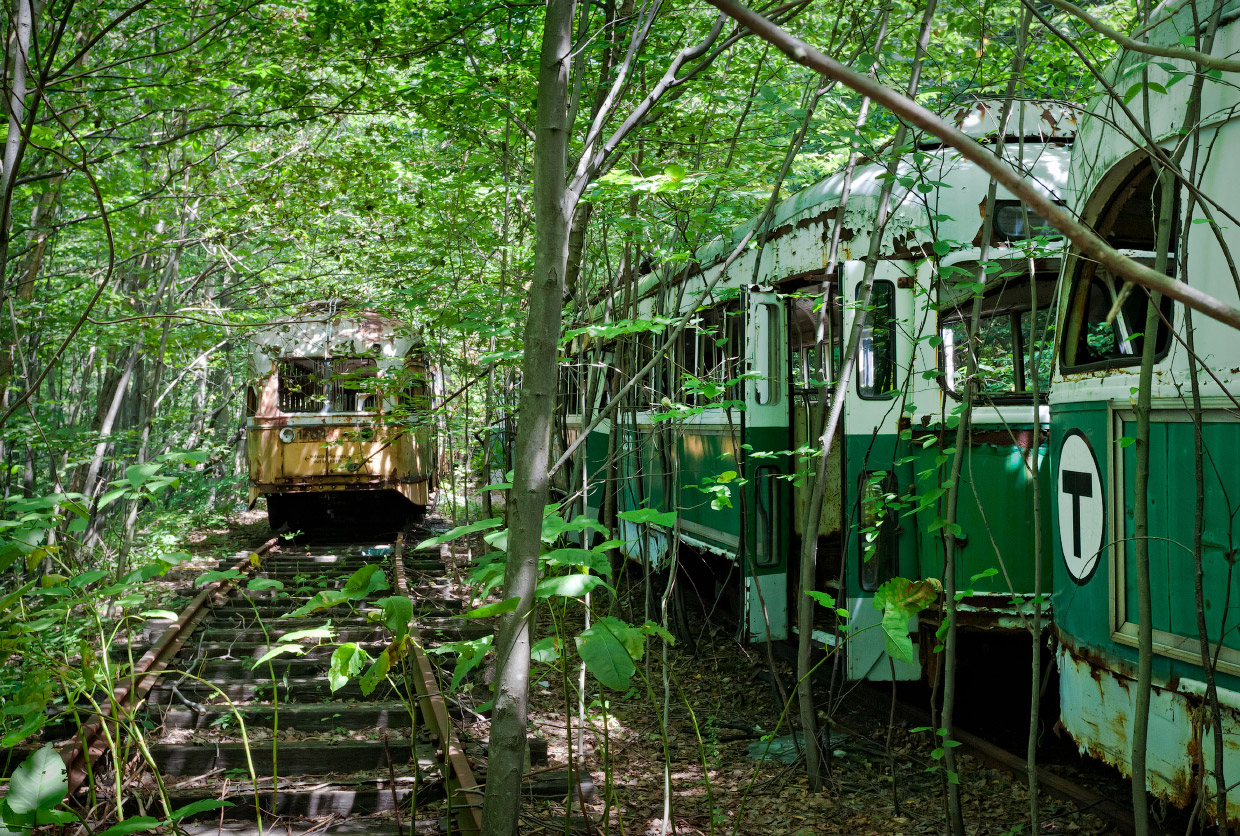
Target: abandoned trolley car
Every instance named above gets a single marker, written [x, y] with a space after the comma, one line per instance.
[757, 339]
[338, 420]
[1094, 426]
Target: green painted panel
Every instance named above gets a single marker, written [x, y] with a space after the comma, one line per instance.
[995, 510]
[1172, 510]
[1081, 611]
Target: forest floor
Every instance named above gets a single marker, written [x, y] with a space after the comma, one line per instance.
[722, 709]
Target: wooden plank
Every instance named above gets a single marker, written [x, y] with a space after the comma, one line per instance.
[185, 760]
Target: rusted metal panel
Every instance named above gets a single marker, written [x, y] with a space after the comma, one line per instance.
[1097, 704]
[831, 515]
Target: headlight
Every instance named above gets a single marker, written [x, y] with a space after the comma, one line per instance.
[288, 435]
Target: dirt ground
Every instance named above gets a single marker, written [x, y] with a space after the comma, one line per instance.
[721, 708]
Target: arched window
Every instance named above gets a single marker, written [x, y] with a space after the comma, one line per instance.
[1128, 221]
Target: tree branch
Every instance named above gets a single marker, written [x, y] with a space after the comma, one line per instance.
[1078, 233]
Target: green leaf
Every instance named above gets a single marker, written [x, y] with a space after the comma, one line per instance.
[822, 598]
[326, 599]
[326, 631]
[133, 824]
[592, 559]
[262, 584]
[138, 474]
[212, 577]
[397, 613]
[162, 615]
[649, 516]
[461, 531]
[605, 657]
[40, 782]
[900, 599]
[652, 629]
[111, 496]
[200, 806]
[376, 673]
[469, 655]
[347, 662]
[87, 578]
[370, 578]
[278, 650]
[507, 605]
[569, 586]
[546, 650]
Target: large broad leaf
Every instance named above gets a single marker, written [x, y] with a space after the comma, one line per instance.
[263, 584]
[650, 516]
[397, 613]
[39, 783]
[324, 600]
[593, 560]
[546, 650]
[605, 656]
[138, 474]
[470, 655]
[376, 673]
[200, 806]
[347, 662]
[278, 650]
[461, 531]
[569, 586]
[498, 608]
[900, 599]
[370, 578]
[133, 824]
[325, 631]
[212, 577]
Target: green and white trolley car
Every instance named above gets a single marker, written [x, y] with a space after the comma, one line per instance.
[763, 344]
[1094, 424]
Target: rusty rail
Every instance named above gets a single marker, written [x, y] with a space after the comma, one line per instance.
[1116, 812]
[90, 743]
[434, 711]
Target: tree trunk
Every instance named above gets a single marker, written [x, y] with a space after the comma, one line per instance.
[538, 388]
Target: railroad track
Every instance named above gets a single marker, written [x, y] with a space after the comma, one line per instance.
[342, 761]
[1111, 803]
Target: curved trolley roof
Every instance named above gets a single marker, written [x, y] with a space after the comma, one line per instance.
[943, 201]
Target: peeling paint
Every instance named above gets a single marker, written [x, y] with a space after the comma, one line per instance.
[1096, 704]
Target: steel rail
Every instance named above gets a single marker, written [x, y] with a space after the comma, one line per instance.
[434, 712]
[90, 743]
[1084, 798]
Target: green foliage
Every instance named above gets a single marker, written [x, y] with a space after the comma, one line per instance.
[347, 662]
[900, 599]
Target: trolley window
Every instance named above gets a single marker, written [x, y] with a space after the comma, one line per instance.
[1127, 221]
[327, 384]
[813, 344]
[707, 357]
[1119, 342]
[1008, 336]
[876, 362]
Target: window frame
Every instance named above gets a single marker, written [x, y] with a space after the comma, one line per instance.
[1020, 357]
[894, 390]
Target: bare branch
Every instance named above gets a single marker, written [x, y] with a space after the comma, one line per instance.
[1078, 233]
[1227, 65]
